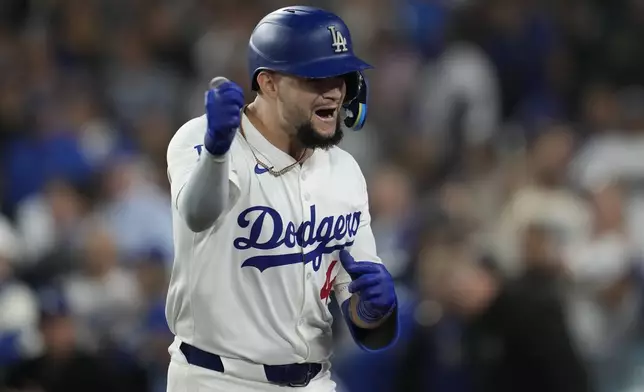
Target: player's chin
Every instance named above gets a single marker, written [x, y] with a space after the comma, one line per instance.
[320, 134]
[325, 126]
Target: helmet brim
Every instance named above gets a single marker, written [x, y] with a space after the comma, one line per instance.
[329, 67]
[320, 68]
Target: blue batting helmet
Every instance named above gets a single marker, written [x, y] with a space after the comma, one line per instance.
[310, 43]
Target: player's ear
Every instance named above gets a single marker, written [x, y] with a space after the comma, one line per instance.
[267, 82]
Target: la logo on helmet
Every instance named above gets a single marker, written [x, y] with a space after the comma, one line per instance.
[339, 42]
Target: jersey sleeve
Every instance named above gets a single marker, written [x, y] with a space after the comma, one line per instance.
[185, 153]
[363, 248]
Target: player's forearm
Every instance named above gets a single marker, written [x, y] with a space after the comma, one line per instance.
[204, 196]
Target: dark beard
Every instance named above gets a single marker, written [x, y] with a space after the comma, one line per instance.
[310, 138]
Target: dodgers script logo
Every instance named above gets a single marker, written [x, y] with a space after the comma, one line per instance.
[329, 229]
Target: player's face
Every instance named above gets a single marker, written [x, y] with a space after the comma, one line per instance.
[313, 107]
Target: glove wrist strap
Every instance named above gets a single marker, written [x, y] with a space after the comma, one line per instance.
[370, 315]
[217, 145]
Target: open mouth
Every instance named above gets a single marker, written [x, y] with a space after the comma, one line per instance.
[326, 114]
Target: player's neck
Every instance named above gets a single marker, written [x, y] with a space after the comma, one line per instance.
[259, 115]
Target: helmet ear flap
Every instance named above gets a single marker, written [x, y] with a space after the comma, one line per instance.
[356, 108]
[352, 81]
[253, 84]
[254, 81]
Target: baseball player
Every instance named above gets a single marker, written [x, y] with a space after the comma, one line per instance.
[270, 217]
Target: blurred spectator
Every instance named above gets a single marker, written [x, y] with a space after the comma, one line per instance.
[514, 333]
[78, 31]
[392, 204]
[13, 97]
[135, 83]
[52, 151]
[157, 339]
[434, 357]
[614, 155]
[104, 298]
[18, 305]
[152, 277]
[98, 138]
[460, 88]
[605, 299]
[165, 35]
[155, 335]
[623, 55]
[520, 40]
[600, 112]
[227, 27]
[426, 23]
[63, 367]
[136, 211]
[50, 220]
[545, 199]
[153, 131]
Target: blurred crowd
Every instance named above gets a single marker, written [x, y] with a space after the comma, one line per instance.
[503, 154]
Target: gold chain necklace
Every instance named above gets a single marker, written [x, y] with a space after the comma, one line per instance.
[269, 169]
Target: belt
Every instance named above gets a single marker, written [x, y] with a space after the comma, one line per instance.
[293, 375]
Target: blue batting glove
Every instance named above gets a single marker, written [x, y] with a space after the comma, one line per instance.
[374, 285]
[223, 111]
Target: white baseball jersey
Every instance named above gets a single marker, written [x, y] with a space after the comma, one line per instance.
[256, 285]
